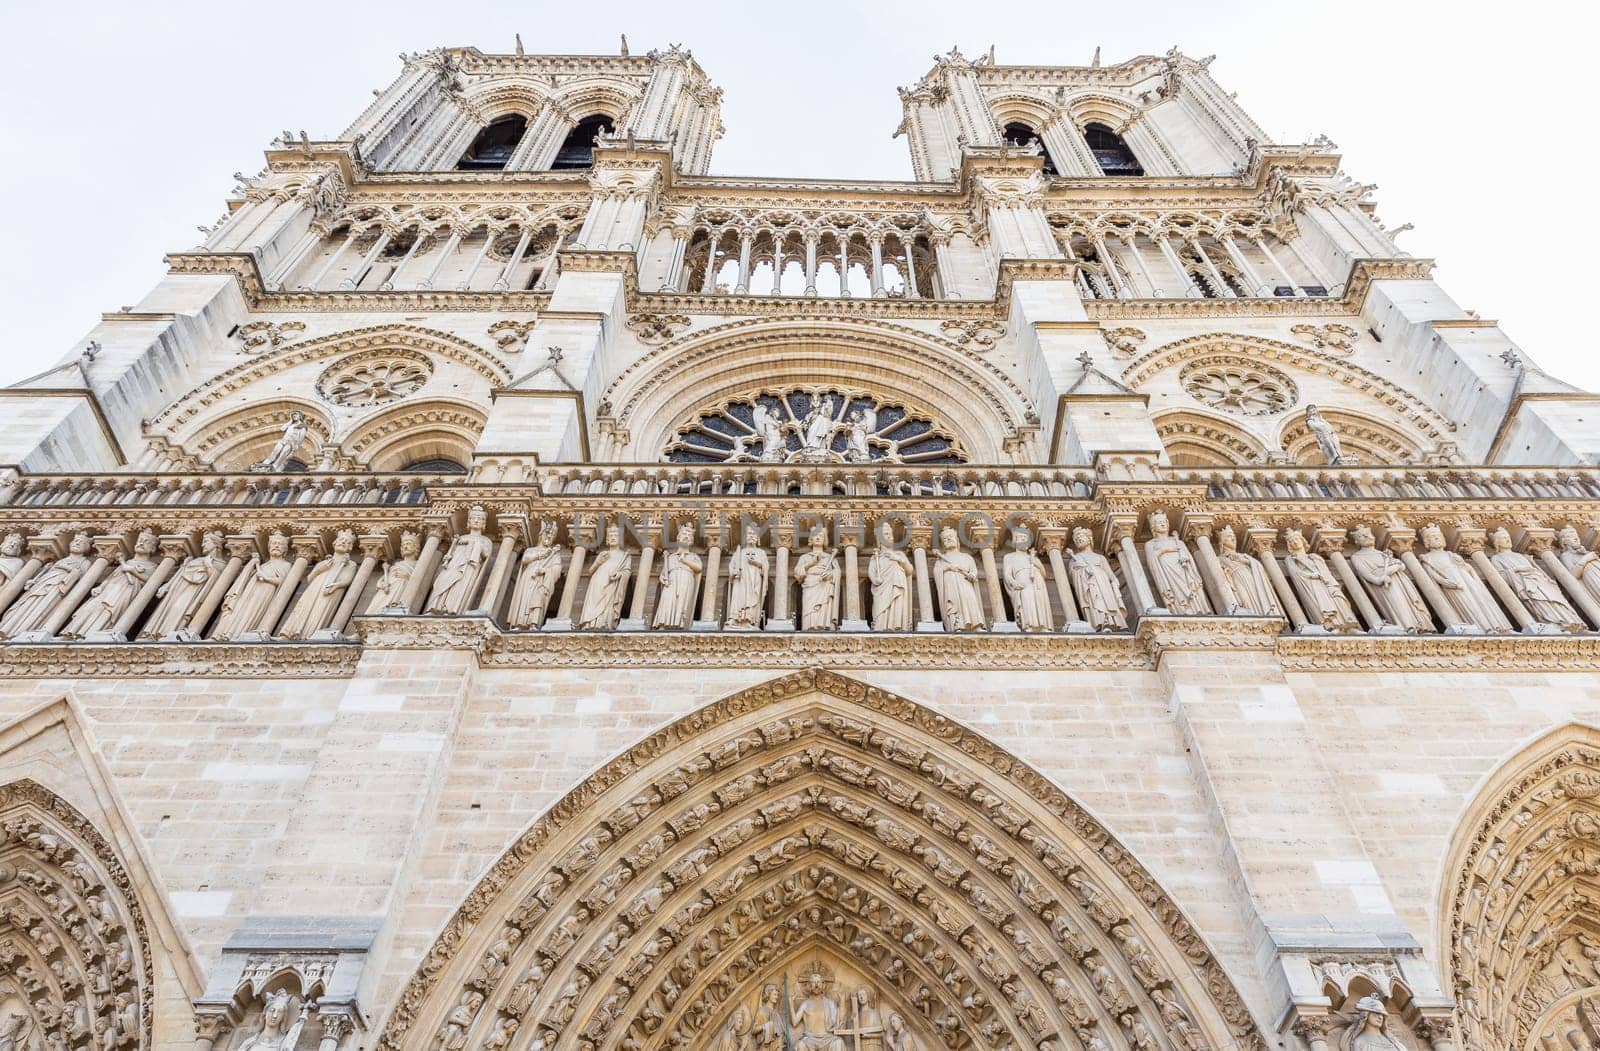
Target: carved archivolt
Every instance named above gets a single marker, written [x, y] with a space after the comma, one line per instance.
[1519, 916]
[1197, 439]
[1368, 440]
[818, 823]
[75, 964]
[409, 433]
[240, 438]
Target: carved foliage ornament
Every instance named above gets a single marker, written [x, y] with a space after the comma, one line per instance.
[656, 329]
[978, 336]
[813, 425]
[262, 336]
[1332, 336]
[1239, 386]
[367, 381]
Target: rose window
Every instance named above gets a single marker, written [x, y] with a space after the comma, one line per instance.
[373, 381]
[1240, 388]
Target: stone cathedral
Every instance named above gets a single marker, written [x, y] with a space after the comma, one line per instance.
[509, 588]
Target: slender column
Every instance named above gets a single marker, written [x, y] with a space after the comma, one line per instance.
[239, 549]
[335, 1027]
[647, 561]
[1211, 570]
[1258, 287]
[466, 280]
[371, 549]
[394, 278]
[416, 592]
[1211, 268]
[709, 285]
[315, 284]
[1294, 250]
[811, 265]
[569, 590]
[372, 254]
[104, 548]
[1401, 543]
[295, 256]
[552, 259]
[680, 245]
[1109, 262]
[777, 263]
[1260, 542]
[172, 549]
[1314, 1030]
[445, 255]
[1185, 282]
[511, 532]
[997, 603]
[743, 284]
[878, 291]
[503, 282]
[1058, 572]
[305, 549]
[919, 561]
[1283, 275]
[14, 587]
[1131, 241]
[910, 250]
[708, 597]
[780, 587]
[844, 266]
[852, 586]
[1332, 548]
[1541, 544]
[1133, 570]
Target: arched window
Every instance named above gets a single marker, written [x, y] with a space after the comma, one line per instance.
[491, 150]
[1110, 152]
[437, 465]
[1019, 134]
[577, 151]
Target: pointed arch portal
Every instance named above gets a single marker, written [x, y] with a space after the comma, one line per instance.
[903, 881]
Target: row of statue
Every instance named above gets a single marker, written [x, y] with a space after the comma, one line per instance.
[158, 592]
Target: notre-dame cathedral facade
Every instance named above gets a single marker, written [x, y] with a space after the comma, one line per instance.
[509, 588]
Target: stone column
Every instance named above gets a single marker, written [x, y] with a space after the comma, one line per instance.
[445, 255]
[921, 539]
[1053, 539]
[811, 264]
[307, 549]
[1181, 272]
[709, 284]
[1197, 529]
[1260, 540]
[569, 590]
[708, 595]
[1329, 543]
[1401, 541]
[105, 549]
[513, 529]
[1283, 274]
[635, 621]
[742, 284]
[349, 283]
[844, 264]
[393, 279]
[1112, 275]
[1469, 542]
[1121, 532]
[416, 592]
[502, 283]
[997, 603]
[488, 241]
[780, 619]
[338, 253]
[876, 242]
[173, 548]
[372, 548]
[1314, 1030]
[1211, 268]
[40, 549]
[239, 547]
[1258, 287]
[853, 619]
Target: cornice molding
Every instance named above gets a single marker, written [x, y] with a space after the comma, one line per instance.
[209, 660]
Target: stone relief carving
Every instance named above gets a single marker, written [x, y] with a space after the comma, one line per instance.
[1244, 580]
[1464, 591]
[246, 604]
[181, 595]
[389, 595]
[813, 425]
[1385, 576]
[113, 595]
[1321, 595]
[977, 336]
[261, 336]
[364, 382]
[1333, 336]
[1123, 342]
[1542, 596]
[325, 589]
[47, 588]
[511, 336]
[655, 329]
[1240, 386]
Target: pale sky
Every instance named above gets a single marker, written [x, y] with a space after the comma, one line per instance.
[124, 122]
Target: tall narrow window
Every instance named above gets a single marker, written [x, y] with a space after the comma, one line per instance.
[1110, 152]
[491, 150]
[577, 151]
[1019, 134]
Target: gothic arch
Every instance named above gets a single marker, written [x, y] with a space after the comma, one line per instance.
[1369, 440]
[1194, 438]
[814, 820]
[433, 429]
[1099, 108]
[1518, 927]
[976, 400]
[503, 97]
[234, 441]
[75, 953]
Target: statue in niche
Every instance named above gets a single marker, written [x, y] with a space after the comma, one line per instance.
[1464, 591]
[1370, 1030]
[278, 457]
[1320, 591]
[889, 572]
[1582, 563]
[957, 575]
[1244, 578]
[862, 423]
[113, 595]
[464, 567]
[11, 560]
[813, 1020]
[537, 576]
[817, 429]
[608, 585]
[324, 590]
[1326, 436]
[247, 600]
[1023, 575]
[1393, 592]
[389, 597]
[279, 1029]
[1095, 584]
[769, 430]
[1532, 585]
[1172, 570]
[680, 583]
[748, 569]
[181, 595]
[818, 573]
[48, 587]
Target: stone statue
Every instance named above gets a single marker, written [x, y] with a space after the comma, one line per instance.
[1464, 591]
[862, 423]
[896, 1037]
[815, 1017]
[537, 576]
[1532, 585]
[294, 433]
[769, 429]
[1243, 578]
[680, 583]
[889, 573]
[11, 560]
[1023, 575]
[1320, 591]
[818, 426]
[735, 1036]
[453, 1033]
[1096, 585]
[1393, 592]
[14, 1029]
[769, 1030]
[608, 585]
[1172, 570]
[48, 586]
[181, 595]
[1327, 438]
[113, 595]
[1582, 563]
[457, 580]
[957, 575]
[818, 573]
[278, 1031]
[748, 569]
[324, 590]
[1370, 1030]
[389, 597]
[248, 599]
[864, 1012]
